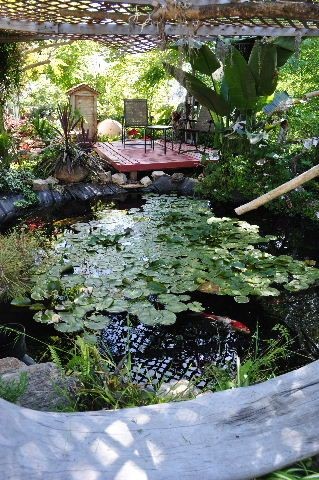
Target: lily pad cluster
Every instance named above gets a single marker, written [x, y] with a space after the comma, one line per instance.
[147, 261]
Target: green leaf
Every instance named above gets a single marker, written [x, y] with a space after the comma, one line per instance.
[240, 81]
[203, 94]
[21, 301]
[263, 64]
[241, 299]
[203, 60]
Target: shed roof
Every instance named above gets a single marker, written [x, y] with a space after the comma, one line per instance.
[82, 86]
[139, 25]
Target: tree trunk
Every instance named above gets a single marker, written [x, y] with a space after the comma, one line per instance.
[277, 192]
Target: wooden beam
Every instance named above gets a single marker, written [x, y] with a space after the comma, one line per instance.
[283, 9]
[237, 434]
[49, 28]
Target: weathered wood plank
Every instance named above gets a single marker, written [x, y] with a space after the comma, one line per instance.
[209, 32]
[233, 435]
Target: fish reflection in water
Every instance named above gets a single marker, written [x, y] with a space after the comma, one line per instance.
[181, 351]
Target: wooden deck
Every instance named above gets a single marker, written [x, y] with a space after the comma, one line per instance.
[134, 159]
[237, 434]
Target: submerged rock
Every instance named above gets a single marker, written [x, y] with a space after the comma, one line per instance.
[165, 184]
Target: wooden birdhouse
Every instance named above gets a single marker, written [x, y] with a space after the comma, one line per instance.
[83, 98]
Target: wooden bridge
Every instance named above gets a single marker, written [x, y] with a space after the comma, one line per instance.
[237, 434]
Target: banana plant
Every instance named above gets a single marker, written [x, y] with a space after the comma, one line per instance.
[244, 83]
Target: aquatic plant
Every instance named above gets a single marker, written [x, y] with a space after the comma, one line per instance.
[103, 383]
[17, 257]
[146, 262]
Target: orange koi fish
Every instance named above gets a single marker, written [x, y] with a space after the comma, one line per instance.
[227, 321]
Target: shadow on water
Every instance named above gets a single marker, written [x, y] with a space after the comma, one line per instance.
[182, 349]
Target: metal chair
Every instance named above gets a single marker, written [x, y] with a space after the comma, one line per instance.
[136, 115]
[193, 128]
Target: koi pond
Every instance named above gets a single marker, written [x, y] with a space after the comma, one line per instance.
[168, 280]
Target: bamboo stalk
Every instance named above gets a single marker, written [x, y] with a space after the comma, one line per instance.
[278, 191]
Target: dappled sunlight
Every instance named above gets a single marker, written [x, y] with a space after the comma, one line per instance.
[265, 427]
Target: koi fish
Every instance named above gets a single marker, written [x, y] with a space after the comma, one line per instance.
[227, 321]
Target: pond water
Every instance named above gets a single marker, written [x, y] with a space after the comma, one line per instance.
[181, 348]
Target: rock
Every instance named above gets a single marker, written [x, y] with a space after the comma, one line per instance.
[119, 178]
[182, 389]
[178, 177]
[146, 181]
[52, 181]
[109, 127]
[40, 185]
[157, 174]
[8, 364]
[105, 177]
[47, 389]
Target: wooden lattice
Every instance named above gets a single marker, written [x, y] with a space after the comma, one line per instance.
[139, 25]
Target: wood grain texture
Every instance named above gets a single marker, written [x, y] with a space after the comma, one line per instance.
[233, 435]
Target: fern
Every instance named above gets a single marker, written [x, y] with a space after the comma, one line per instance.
[55, 357]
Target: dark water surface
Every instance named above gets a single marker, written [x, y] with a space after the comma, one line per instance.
[181, 350]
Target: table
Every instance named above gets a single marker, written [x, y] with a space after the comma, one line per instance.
[155, 128]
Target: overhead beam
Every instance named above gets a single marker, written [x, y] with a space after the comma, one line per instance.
[53, 29]
[284, 9]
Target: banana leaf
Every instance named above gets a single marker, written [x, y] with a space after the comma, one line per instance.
[203, 94]
[286, 47]
[203, 60]
[240, 81]
[263, 64]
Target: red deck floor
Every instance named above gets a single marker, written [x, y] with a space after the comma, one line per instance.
[134, 159]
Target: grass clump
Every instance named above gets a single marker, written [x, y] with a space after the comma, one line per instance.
[101, 382]
[17, 257]
[13, 390]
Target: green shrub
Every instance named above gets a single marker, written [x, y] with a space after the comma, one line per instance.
[18, 181]
[240, 178]
[7, 149]
[17, 257]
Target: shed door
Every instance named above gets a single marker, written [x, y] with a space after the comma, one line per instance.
[85, 105]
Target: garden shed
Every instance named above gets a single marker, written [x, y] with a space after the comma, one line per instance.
[215, 436]
[83, 99]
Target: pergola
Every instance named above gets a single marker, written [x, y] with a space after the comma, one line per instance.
[140, 25]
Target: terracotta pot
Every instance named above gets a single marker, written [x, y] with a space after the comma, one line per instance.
[77, 174]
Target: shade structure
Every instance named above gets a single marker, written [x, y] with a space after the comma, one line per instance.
[140, 25]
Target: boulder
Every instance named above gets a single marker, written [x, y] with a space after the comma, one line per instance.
[157, 174]
[119, 178]
[105, 177]
[39, 185]
[47, 388]
[146, 181]
[9, 364]
[109, 127]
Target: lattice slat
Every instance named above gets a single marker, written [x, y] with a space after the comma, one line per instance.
[134, 25]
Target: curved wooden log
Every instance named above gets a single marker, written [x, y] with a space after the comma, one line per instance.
[232, 435]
